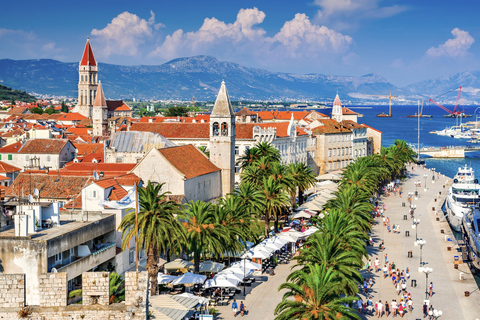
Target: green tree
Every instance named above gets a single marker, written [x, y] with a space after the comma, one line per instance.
[302, 177]
[64, 107]
[36, 110]
[158, 229]
[203, 234]
[176, 111]
[50, 110]
[204, 150]
[273, 199]
[314, 293]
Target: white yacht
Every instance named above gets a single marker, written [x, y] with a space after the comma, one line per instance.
[463, 193]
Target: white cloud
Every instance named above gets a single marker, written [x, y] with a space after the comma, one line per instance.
[243, 38]
[456, 47]
[16, 33]
[125, 34]
[346, 14]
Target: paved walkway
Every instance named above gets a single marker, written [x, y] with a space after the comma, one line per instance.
[448, 289]
[449, 296]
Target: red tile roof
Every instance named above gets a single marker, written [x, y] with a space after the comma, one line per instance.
[175, 130]
[363, 124]
[351, 124]
[347, 111]
[245, 112]
[71, 116]
[190, 161]
[51, 146]
[330, 126]
[88, 148]
[7, 168]
[88, 59]
[11, 148]
[17, 110]
[88, 168]
[117, 105]
[50, 186]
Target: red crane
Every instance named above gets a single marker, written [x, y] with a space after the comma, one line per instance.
[455, 112]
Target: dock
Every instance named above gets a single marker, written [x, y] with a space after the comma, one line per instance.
[447, 152]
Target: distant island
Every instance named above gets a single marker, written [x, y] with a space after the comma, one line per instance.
[7, 93]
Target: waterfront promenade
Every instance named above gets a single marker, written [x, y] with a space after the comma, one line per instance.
[449, 290]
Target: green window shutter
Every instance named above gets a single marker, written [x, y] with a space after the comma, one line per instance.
[9, 157]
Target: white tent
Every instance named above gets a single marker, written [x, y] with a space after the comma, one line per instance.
[210, 266]
[289, 237]
[230, 274]
[189, 278]
[248, 264]
[262, 254]
[245, 272]
[277, 240]
[165, 278]
[221, 282]
[310, 231]
[301, 214]
[178, 264]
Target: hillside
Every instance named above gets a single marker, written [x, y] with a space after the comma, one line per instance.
[7, 93]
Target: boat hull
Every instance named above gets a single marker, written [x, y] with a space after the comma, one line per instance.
[471, 238]
[454, 215]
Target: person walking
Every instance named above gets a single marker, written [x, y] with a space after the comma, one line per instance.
[425, 310]
[242, 309]
[360, 306]
[234, 308]
[387, 309]
[386, 257]
[365, 287]
[430, 288]
[377, 264]
[380, 308]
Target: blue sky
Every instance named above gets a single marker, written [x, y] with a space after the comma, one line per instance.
[404, 41]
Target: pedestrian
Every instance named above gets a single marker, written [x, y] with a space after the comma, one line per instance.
[404, 288]
[398, 288]
[368, 265]
[383, 248]
[393, 228]
[390, 270]
[376, 308]
[410, 305]
[400, 310]
[380, 308]
[242, 309]
[385, 271]
[234, 308]
[398, 228]
[360, 306]
[425, 310]
[371, 282]
[386, 258]
[365, 286]
[394, 308]
[387, 309]
[407, 273]
[377, 264]
[430, 312]
[431, 289]
[370, 306]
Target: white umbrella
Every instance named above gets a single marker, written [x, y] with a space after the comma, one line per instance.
[310, 231]
[248, 264]
[221, 282]
[189, 278]
[269, 246]
[295, 233]
[165, 278]
[302, 214]
[210, 266]
[289, 237]
[277, 240]
[230, 274]
[178, 264]
[240, 269]
[256, 254]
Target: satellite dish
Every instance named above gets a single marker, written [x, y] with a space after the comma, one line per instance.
[30, 198]
[36, 192]
[54, 270]
[95, 175]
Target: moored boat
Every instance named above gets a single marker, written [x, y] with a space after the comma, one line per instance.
[463, 193]
[471, 235]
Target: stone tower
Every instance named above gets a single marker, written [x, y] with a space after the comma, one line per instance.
[337, 113]
[87, 82]
[99, 113]
[222, 139]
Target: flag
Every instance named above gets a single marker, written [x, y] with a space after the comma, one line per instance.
[129, 201]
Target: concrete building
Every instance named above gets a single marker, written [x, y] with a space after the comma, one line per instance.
[374, 140]
[8, 173]
[359, 138]
[68, 246]
[39, 153]
[184, 170]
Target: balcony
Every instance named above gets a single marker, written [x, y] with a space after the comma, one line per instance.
[83, 264]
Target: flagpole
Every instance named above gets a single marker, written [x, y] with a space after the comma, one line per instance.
[136, 224]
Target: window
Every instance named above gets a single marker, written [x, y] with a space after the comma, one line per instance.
[94, 194]
[131, 256]
[48, 158]
[0, 157]
[27, 157]
[237, 150]
[9, 157]
[237, 169]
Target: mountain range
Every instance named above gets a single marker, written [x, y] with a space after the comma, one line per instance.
[200, 76]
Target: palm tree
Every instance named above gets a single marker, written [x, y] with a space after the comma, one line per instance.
[158, 230]
[261, 149]
[203, 234]
[303, 178]
[314, 290]
[250, 197]
[273, 199]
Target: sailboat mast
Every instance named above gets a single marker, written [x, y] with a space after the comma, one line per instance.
[418, 132]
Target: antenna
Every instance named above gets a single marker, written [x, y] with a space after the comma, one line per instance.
[36, 192]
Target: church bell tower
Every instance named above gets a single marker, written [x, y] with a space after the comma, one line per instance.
[87, 82]
[99, 113]
[222, 139]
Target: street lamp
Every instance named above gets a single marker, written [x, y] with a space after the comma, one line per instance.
[244, 278]
[427, 271]
[414, 226]
[420, 243]
[425, 177]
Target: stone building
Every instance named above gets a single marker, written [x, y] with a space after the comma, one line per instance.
[184, 170]
[374, 140]
[99, 113]
[87, 82]
[39, 153]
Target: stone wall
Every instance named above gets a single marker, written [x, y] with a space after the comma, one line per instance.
[96, 288]
[12, 290]
[136, 288]
[53, 289]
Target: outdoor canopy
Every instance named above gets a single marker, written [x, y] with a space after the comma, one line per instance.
[221, 282]
[189, 278]
[248, 264]
[165, 278]
[178, 264]
[210, 266]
